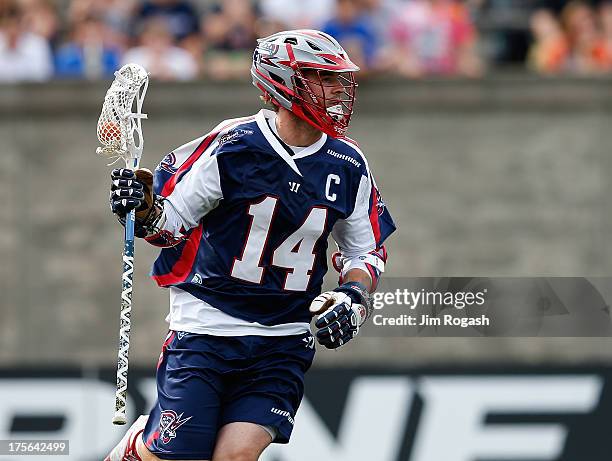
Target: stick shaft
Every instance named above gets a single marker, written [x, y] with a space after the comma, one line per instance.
[125, 319]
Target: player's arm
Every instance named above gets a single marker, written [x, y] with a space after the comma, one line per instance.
[359, 276]
[360, 261]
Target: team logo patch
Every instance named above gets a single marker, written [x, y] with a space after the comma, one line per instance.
[380, 204]
[270, 48]
[233, 135]
[169, 422]
[181, 334]
[168, 162]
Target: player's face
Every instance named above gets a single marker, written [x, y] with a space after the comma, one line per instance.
[327, 96]
[325, 86]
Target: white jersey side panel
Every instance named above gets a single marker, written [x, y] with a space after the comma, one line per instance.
[190, 314]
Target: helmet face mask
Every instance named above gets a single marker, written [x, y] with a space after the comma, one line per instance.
[327, 98]
[310, 74]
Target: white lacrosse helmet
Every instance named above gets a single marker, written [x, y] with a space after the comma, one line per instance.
[278, 64]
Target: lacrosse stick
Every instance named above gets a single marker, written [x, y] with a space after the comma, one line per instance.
[120, 132]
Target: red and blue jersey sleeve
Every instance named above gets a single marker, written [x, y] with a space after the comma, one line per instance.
[379, 216]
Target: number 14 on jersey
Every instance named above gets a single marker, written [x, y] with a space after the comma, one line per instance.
[296, 253]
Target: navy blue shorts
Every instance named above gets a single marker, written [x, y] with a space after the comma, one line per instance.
[205, 382]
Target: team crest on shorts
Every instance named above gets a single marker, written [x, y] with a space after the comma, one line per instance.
[169, 422]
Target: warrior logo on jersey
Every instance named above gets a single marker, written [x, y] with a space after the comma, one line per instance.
[168, 162]
[169, 422]
[233, 135]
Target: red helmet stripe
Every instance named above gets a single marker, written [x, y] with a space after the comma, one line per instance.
[374, 215]
[315, 34]
[345, 64]
[274, 83]
[292, 62]
[341, 66]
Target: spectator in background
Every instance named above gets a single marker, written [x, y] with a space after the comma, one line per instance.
[588, 52]
[549, 52]
[434, 37]
[6, 6]
[230, 26]
[182, 20]
[380, 14]
[118, 16]
[24, 56]
[303, 14]
[79, 10]
[40, 17]
[555, 6]
[355, 33]
[264, 27]
[158, 54]
[605, 19]
[91, 53]
[229, 36]
[503, 28]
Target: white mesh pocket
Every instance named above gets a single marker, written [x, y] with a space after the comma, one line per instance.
[119, 126]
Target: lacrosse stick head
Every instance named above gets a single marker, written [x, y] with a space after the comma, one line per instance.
[119, 125]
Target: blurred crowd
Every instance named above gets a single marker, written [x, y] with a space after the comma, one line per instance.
[187, 39]
[576, 39]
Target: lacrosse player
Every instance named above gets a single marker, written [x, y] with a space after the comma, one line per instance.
[243, 216]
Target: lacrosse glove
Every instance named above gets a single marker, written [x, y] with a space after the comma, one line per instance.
[133, 190]
[341, 312]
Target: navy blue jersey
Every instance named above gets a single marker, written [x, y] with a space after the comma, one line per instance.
[255, 218]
